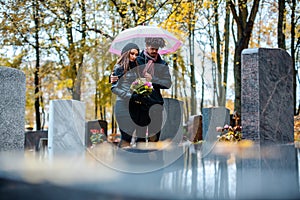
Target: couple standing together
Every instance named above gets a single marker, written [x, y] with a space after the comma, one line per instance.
[135, 113]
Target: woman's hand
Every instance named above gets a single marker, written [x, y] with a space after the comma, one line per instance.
[113, 78]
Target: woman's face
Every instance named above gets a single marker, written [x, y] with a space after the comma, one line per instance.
[133, 54]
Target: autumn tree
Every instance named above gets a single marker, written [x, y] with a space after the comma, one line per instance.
[19, 14]
[181, 20]
[70, 21]
[295, 45]
[244, 23]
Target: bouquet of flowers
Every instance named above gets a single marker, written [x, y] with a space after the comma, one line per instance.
[97, 136]
[228, 133]
[141, 86]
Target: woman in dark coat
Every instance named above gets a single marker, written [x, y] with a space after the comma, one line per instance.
[125, 69]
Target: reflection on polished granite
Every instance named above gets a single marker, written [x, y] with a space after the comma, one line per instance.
[229, 171]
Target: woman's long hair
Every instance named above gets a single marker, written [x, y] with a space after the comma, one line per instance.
[124, 61]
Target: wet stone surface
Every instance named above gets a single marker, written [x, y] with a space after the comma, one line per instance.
[229, 171]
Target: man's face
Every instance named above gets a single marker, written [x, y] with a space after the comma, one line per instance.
[152, 51]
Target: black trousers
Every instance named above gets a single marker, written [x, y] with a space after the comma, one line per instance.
[145, 121]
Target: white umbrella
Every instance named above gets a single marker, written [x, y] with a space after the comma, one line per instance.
[138, 34]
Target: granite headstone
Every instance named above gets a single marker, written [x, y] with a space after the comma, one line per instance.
[33, 138]
[195, 128]
[267, 96]
[212, 118]
[172, 127]
[66, 133]
[12, 109]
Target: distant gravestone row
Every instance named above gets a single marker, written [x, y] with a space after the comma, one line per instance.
[68, 131]
[266, 110]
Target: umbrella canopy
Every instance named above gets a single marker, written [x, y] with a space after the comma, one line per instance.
[138, 34]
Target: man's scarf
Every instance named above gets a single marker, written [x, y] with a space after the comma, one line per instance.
[150, 64]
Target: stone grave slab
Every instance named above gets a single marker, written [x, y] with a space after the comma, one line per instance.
[214, 117]
[195, 128]
[267, 114]
[12, 109]
[66, 133]
[172, 127]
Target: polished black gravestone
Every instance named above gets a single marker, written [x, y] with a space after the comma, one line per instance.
[33, 138]
[267, 96]
[95, 127]
[12, 109]
[172, 127]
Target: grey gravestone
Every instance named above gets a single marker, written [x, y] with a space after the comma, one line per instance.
[212, 118]
[195, 128]
[33, 138]
[172, 127]
[267, 96]
[66, 133]
[12, 109]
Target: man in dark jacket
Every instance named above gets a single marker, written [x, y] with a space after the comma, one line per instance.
[155, 70]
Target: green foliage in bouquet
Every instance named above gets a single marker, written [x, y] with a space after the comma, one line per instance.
[141, 86]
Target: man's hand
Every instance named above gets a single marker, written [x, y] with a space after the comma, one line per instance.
[148, 76]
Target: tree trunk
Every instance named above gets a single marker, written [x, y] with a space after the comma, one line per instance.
[37, 66]
[71, 51]
[213, 64]
[244, 34]
[175, 71]
[192, 69]
[280, 24]
[226, 52]
[202, 82]
[218, 55]
[77, 85]
[79, 65]
[293, 48]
